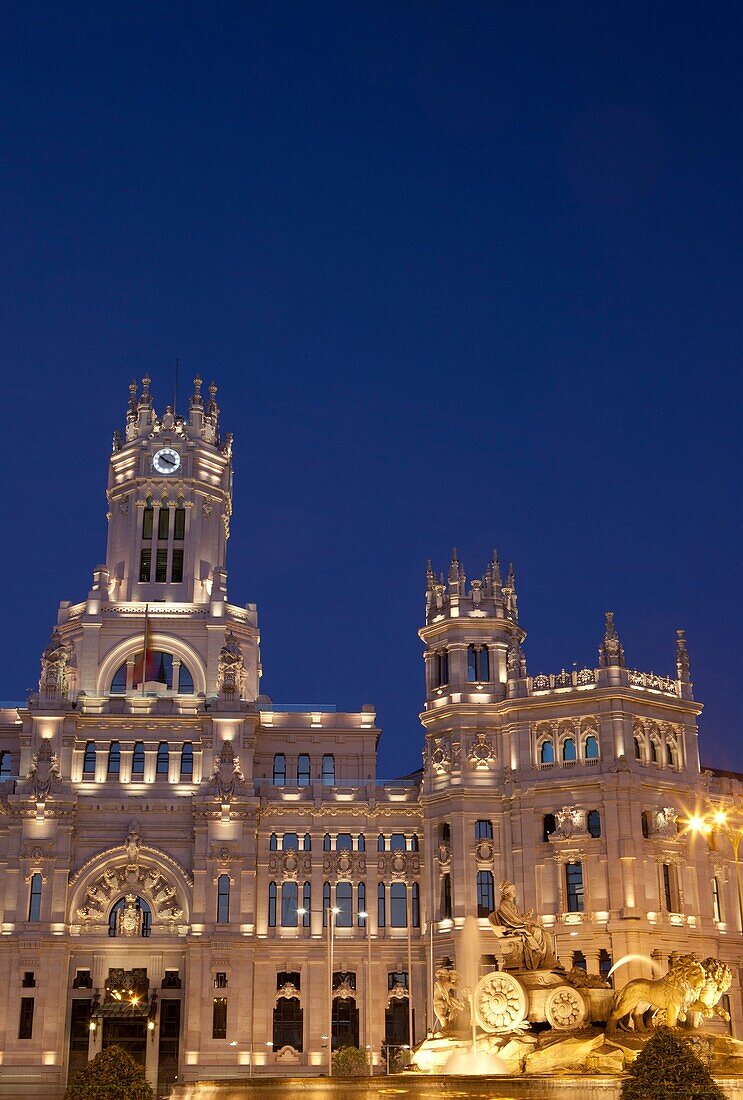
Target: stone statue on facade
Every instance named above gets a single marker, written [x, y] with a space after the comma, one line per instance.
[54, 662]
[449, 1002]
[611, 651]
[130, 917]
[132, 843]
[231, 669]
[227, 779]
[44, 772]
[537, 947]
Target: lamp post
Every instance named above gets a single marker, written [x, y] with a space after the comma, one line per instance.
[363, 914]
[332, 912]
[717, 818]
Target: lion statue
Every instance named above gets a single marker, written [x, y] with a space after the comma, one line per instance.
[719, 979]
[674, 994]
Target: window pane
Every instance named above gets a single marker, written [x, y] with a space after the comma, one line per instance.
[179, 527]
[223, 899]
[397, 842]
[89, 759]
[147, 518]
[161, 566]
[34, 902]
[187, 761]
[163, 522]
[303, 771]
[592, 748]
[547, 753]
[568, 749]
[484, 661]
[219, 1018]
[138, 759]
[145, 566]
[381, 907]
[594, 823]
[6, 765]
[306, 904]
[485, 893]
[279, 770]
[118, 684]
[328, 770]
[344, 903]
[161, 767]
[176, 569]
[415, 905]
[185, 682]
[344, 842]
[272, 905]
[290, 842]
[483, 830]
[398, 905]
[114, 758]
[26, 1021]
[289, 904]
[574, 877]
[471, 663]
[361, 906]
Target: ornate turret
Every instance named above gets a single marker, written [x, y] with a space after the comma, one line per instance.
[611, 652]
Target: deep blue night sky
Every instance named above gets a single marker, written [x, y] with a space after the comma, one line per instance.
[465, 275]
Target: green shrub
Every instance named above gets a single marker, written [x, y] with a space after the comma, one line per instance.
[667, 1069]
[350, 1062]
[112, 1075]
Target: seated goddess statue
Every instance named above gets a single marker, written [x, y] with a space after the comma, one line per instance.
[538, 945]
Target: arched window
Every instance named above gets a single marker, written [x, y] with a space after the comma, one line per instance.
[287, 1024]
[325, 903]
[381, 906]
[114, 758]
[593, 823]
[304, 774]
[472, 663]
[361, 843]
[138, 760]
[306, 904]
[185, 681]
[670, 757]
[568, 750]
[187, 761]
[653, 750]
[344, 842]
[289, 904]
[398, 905]
[485, 893]
[546, 752]
[592, 748]
[272, 905]
[6, 765]
[290, 842]
[144, 909]
[548, 826]
[279, 770]
[163, 759]
[223, 899]
[415, 905]
[326, 843]
[147, 517]
[483, 830]
[638, 749]
[361, 906]
[397, 842]
[344, 904]
[328, 770]
[89, 760]
[159, 670]
[307, 843]
[380, 842]
[273, 843]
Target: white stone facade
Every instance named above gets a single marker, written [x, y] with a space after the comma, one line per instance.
[163, 824]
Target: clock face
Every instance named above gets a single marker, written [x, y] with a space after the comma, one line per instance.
[166, 460]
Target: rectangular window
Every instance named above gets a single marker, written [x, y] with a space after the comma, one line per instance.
[670, 888]
[716, 906]
[272, 905]
[145, 566]
[147, 517]
[220, 979]
[446, 906]
[289, 904]
[34, 898]
[303, 770]
[223, 899]
[219, 1018]
[398, 905]
[163, 523]
[381, 906]
[344, 905]
[328, 770]
[483, 830]
[574, 880]
[179, 525]
[415, 905]
[485, 893]
[26, 1021]
[176, 568]
[471, 663]
[29, 979]
[161, 566]
[484, 664]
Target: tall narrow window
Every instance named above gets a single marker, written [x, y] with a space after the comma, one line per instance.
[147, 517]
[26, 1021]
[6, 765]
[549, 826]
[344, 904]
[289, 904]
[361, 843]
[187, 761]
[361, 907]
[546, 753]
[485, 893]
[161, 565]
[307, 843]
[326, 843]
[398, 905]
[446, 903]
[593, 822]
[638, 749]
[483, 664]
[325, 903]
[34, 897]
[223, 899]
[303, 770]
[414, 845]
[328, 770]
[574, 882]
[670, 888]
[415, 905]
[716, 906]
[568, 750]
[441, 668]
[114, 758]
[273, 843]
[306, 904]
[483, 830]
[381, 906]
[145, 566]
[179, 524]
[380, 842]
[163, 759]
[472, 663]
[279, 770]
[138, 759]
[645, 824]
[176, 565]
[219, 1018]
[272, 905]
[163, 523]
[592, 748]
[89, 760]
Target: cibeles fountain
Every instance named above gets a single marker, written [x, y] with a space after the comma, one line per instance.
[529, 1016]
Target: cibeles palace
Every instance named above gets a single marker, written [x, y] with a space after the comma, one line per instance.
[189, 869]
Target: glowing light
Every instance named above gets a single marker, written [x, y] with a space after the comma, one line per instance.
[720, 817]
[150, 1025]
[233, 1043]
[698, 824]
[92, 1025]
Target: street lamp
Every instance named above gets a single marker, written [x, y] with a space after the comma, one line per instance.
[719, 819]
[363, 914]
[332, 911]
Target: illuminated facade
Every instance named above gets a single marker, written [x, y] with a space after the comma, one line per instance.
[174, 844]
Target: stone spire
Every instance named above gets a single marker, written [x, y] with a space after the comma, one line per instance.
[509, 595]
[682, 658]
[611, 652]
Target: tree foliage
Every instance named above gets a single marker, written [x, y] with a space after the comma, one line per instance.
[667, 1069]
[350, 1062]
[112, 1075]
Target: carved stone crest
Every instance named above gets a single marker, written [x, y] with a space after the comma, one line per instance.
[227, 779]
[481, 755]
[231, 669]
[44, 772]
[440, 757]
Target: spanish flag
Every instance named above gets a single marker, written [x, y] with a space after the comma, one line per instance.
[146, 662]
